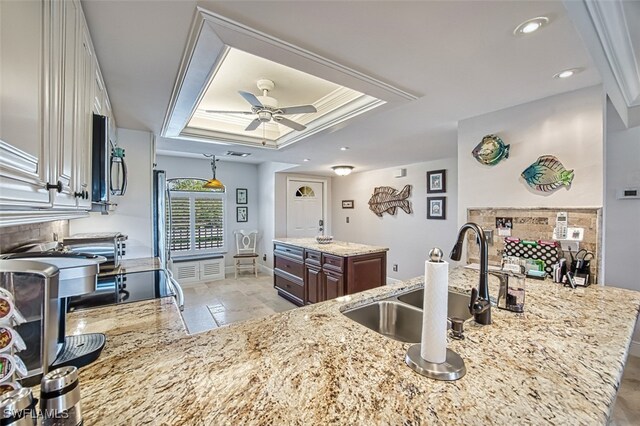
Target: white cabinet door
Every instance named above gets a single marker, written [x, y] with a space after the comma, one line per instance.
[24, 103]
[85, 96]
[64, 142]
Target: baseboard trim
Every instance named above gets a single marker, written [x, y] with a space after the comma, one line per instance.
[635, 349]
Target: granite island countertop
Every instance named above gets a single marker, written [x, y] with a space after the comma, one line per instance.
[338, 248]
[559, 362]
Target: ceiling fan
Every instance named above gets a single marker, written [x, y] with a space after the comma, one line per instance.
[267, 108]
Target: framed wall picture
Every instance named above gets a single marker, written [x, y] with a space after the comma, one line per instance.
[241, 196]
[347, 204]
[437, 182]
[437, 208]
[242, 214]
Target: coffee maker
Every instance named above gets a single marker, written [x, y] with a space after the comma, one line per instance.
[40, 287]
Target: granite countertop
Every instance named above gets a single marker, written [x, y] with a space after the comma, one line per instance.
[338, 248]
[559, 362]
[134, 265]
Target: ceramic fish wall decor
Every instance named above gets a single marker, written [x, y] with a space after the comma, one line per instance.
[386, 199]
[491, 150]
[547, 174]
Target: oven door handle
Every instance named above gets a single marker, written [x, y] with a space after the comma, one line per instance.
[178, 290]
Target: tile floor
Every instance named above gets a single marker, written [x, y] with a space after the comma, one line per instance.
[626, 412]
[214, 304]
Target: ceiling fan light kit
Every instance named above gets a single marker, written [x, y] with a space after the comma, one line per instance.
[342, 170]
[266, 108]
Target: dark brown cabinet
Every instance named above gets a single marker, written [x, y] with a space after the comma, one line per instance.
[305, 276]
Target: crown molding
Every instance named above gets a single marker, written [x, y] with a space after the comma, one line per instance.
[611, 25]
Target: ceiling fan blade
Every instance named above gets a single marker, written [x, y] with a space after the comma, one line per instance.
[253, 125]
[251, 98]
[300, 109]
[289, 123]
[210, 111]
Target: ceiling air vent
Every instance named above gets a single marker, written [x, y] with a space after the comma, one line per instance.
[237, 154]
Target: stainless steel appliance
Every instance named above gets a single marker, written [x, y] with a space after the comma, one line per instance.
[109, 170]
[111, 245]
[161, 222]
[60, 397]
[34, 286]
[125, 288]
[40, 284]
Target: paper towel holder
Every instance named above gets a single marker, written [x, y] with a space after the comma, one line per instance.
[451, 369]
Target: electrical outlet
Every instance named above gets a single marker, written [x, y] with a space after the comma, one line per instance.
[395, 267]
[570, 246]
[347, 219]
[264, 258]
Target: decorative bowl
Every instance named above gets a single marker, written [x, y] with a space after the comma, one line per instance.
[324, 239]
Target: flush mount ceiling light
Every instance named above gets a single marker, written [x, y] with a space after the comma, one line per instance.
[567, 73]
[531, 25]
[342, 170]
[306, 160]
[237, 154]
[344, 148]
[213, 183]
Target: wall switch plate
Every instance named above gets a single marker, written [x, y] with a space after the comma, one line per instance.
[567, 246]
[347, 219]
[395, 267]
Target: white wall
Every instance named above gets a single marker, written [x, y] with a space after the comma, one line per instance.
[622, 217]
[408, 237]
[233, 175]
[133, 214]
[268, 199]
[569, 126]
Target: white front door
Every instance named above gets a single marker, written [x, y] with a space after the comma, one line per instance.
[304, 208]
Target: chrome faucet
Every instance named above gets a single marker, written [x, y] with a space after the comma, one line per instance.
[479, 305]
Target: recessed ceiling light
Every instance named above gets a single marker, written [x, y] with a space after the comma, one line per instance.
[342, 170]
[531, 25]
[344, 148]
[306, 159]
[567, 73]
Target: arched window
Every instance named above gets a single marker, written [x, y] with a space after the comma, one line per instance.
[305, 191]
[195, 217]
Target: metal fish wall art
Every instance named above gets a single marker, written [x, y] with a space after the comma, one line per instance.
[386, 199]
[491, 150]
[547, 174]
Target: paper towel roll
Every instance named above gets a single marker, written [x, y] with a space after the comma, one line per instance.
[433, 347]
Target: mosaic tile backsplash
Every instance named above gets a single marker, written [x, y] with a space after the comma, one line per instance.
[14, 236]
[537, 224]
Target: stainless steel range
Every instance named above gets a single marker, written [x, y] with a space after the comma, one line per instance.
[125, 288]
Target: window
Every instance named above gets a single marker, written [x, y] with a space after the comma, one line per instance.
[305, 192]
[195, 217]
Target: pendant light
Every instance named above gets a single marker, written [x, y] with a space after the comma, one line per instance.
[213, 183]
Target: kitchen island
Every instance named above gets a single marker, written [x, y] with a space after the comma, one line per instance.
[306, 272]
[559, 362]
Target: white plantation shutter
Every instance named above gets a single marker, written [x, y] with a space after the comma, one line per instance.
[196, 222]
[208, 226]
[180, 231]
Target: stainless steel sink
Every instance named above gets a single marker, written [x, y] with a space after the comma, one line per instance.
[400, 317]
[392, 319]
[458, 306]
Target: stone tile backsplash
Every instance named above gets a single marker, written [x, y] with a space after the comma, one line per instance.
[14, 236]
[537, 224]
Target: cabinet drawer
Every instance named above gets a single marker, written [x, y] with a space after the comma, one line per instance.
[331, 262]
[286, 250]
[289, 287]
[312, 257]
[290, 266]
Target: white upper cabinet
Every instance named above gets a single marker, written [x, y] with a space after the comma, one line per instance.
[50, 85]
[24, 103]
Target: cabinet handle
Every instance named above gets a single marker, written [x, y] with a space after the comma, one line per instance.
[57, 187]
[85, 194]
[79, 194]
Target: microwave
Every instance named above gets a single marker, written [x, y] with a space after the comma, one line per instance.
[109, 170]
